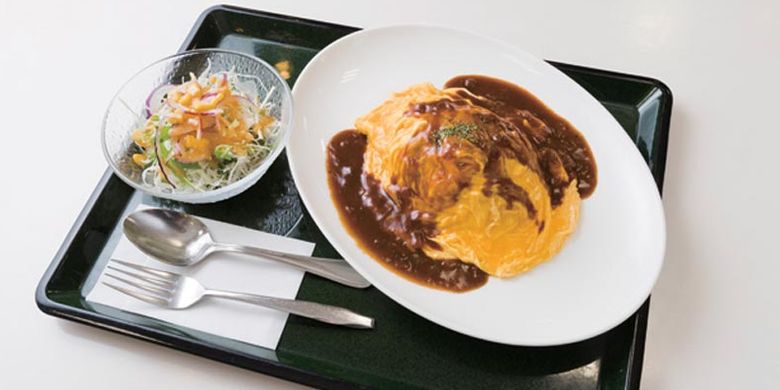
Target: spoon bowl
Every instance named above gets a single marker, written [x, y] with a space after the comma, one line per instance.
[177, 238]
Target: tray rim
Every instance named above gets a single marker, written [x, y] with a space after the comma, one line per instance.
[276, 368]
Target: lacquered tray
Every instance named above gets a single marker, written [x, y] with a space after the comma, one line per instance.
[405, 350]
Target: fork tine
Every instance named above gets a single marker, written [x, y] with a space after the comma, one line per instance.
[146, 278]
[156, 272]
[145, 287]
[140, 296]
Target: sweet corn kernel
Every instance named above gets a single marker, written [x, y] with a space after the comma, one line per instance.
[284, 68]
[139, 159]
[140, 138]
[176, 117]
[185, 99]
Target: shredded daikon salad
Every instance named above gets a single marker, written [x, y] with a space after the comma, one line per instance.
[205, 133]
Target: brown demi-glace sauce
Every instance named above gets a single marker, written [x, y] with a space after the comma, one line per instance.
[555, 140]
[363, 205]
[394, 234]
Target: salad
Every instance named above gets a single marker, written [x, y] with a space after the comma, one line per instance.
[203, 134]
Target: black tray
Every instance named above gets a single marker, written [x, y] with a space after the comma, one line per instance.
[405, 350]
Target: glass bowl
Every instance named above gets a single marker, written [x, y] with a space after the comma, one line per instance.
[127, 112]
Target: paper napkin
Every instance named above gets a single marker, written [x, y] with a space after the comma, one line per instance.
[235, 320]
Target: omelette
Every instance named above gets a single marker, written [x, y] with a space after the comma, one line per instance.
[479, 171]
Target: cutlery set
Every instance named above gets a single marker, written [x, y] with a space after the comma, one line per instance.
[179, 239]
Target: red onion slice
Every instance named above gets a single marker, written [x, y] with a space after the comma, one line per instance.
[156, 98]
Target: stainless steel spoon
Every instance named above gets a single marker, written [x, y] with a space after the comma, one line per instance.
[180, 239]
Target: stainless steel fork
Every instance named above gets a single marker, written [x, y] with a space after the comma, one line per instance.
[175, 291]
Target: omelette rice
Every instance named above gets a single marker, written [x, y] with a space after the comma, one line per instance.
[480, 172]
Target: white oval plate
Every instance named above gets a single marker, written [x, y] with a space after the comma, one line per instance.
[607, 268]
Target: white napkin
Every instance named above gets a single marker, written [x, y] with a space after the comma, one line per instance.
[239, 321]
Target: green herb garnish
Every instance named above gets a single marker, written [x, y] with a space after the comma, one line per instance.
[460, 130]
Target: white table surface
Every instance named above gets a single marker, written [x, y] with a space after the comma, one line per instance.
[715, 313]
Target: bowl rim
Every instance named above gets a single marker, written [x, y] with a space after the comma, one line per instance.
[231, 189]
